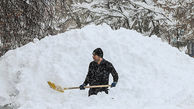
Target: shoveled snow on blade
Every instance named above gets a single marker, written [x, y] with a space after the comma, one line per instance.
[152, 74]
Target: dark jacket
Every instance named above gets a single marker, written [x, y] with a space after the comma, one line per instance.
[98, 74]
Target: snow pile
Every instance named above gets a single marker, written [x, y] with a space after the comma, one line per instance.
[152, 74]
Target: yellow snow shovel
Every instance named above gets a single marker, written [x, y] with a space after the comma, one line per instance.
[60, 89]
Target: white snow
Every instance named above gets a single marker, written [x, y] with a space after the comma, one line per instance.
[152, 74]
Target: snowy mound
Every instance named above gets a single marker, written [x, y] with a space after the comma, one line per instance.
[152, 74]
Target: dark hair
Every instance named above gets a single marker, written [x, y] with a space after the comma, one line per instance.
[98, 52]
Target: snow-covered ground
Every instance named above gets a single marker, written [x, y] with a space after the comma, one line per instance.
[152, 74]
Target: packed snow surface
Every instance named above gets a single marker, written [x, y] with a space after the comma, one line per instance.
[152, 74]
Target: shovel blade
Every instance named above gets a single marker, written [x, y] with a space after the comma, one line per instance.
[53, 86]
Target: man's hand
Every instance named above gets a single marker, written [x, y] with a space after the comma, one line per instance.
[82, 87]
[114, 84]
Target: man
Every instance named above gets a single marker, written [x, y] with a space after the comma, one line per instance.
[98, 73]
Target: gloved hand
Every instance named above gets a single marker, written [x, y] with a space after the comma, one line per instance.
[82, 87]
[114, 84]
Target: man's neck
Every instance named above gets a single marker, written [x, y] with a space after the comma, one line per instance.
[100, 61]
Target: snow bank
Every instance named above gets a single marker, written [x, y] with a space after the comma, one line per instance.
[153, 75]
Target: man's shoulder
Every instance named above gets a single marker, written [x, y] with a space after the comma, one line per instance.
[107, 62]
[92, 63]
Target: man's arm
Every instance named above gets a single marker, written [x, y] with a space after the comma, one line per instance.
[114, 73]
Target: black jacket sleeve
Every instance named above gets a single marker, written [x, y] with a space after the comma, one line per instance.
[113, 73]
[87, 80]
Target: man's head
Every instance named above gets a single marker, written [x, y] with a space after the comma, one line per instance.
[97, 54]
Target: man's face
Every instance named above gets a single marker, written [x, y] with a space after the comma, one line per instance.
[96, 58]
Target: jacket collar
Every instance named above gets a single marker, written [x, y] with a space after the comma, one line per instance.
[102, 62]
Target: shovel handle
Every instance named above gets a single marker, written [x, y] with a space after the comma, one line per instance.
[96, 86]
